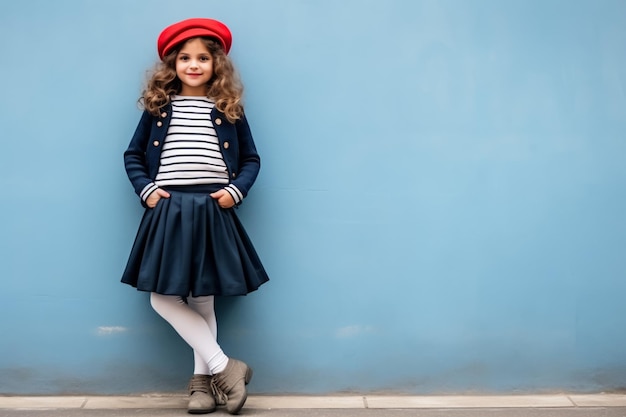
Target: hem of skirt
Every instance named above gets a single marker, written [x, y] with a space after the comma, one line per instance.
[216, 294]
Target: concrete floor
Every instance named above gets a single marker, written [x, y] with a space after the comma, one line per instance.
[561, 405]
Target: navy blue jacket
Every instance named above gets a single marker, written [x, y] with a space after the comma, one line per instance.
[143, 156]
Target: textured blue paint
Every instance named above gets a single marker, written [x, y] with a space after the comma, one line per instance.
[440, 208]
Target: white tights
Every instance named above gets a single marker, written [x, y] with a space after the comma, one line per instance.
[195, 322]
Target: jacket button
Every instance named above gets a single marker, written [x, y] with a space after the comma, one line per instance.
[218, 121]
[155, 143]
[226, 145]
[159, 123]
[164, 115]
[234, 175]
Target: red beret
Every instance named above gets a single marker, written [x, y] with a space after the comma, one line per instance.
[191, 28]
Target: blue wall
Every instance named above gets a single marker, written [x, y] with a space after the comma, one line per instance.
[440, 208]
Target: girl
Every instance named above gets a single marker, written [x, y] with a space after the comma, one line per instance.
[191, 160]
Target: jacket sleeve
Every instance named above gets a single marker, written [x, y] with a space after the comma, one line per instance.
[249, 160]
[135, 156]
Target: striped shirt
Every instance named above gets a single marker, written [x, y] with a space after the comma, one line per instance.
[191, 152]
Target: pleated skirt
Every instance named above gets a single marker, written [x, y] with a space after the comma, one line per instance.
[189, 245]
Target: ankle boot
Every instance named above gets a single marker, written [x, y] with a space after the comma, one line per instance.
[201, 400]
[232, 382]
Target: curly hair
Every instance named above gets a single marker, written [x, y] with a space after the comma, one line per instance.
[224, 87]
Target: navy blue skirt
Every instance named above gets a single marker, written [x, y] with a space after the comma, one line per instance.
[189, 245]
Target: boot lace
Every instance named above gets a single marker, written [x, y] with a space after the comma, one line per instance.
[219, 395]
[198, 384]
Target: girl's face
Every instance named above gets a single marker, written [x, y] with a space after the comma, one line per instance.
[194, 68]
